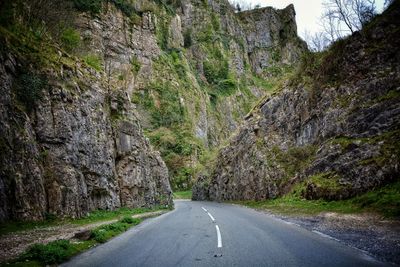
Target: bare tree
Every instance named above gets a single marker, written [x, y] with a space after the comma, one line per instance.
[238, 8]
[242, 4]
[317, 41]
[388, 3]
[342, 17]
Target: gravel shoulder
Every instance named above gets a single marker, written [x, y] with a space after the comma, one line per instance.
[13, 244]
[371, 233]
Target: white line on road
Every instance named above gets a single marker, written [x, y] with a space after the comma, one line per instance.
[219, 236]
[324, 235]
[212, 218]
[204, 209]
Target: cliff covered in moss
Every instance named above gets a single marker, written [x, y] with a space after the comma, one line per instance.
[331, 132]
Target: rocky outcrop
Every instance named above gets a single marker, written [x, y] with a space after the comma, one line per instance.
[74, 143]
[271, 37]
[265, 39]
[336, 137]
[78, 148]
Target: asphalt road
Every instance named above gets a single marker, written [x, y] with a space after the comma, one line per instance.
[188, 236]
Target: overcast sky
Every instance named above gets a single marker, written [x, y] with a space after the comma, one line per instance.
[308, 12]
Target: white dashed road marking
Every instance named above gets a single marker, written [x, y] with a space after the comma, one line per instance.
[216, 227]
[219, 236]
[212, 218]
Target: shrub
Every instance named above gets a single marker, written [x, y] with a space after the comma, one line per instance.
[99, 235]
[104, 233]
[128, 220]
[206, 35]
[227, 86]
[136, 19]
[215, 22]
[162, 34]
[70, 39]
[215, 72]
[29, 88]
[135, 65]
[183, 178]
[92, 6]
[93, 61]
[125, 6]
[53, 252]
[169, 110]
[177, 64]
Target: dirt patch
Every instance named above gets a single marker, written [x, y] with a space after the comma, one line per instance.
[378, 237]
[13, 244]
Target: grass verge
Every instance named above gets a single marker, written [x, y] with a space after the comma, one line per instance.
[92, 217]
[183, 194]
[384, 201]
[61, 250]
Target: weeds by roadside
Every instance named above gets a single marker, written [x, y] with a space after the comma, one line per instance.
[59, 251]
[384, 201]
[94, 216]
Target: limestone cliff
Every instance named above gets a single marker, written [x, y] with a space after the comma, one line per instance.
[71, 141]
[206, 76]
[332, 132]
[81, 78]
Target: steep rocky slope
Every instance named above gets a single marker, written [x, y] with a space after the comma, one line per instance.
[70, 156]
[203, 81]
[71, 141]
[331, 132]
[81, 78]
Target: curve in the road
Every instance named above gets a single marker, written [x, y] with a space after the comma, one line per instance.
[219, 239]
[183, 237]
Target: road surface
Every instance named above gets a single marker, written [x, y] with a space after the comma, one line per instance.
[216, 234]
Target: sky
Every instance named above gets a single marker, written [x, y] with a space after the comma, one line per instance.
[308, 12]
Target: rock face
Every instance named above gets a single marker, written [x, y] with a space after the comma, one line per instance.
[71, 123]
[271, 37]
[78, 148]
[336, 137]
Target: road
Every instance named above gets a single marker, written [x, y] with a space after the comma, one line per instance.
[216, 234]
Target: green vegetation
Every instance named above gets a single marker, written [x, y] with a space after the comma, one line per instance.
[59, 251]
[292, 161]
[94, 61]
[183, 194]
[92, 6]
[105, 215]
[178, 96]
[103, 233]
[29, 87]
[95, 6]
[126, 7]
[388, 142]
[94, 216]
[218, 76]
[54, 252]
[135, 63]
[326, 181]
[162, 33]
[384, 200]
[176, 148]
[163, 103]
[70, 39]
